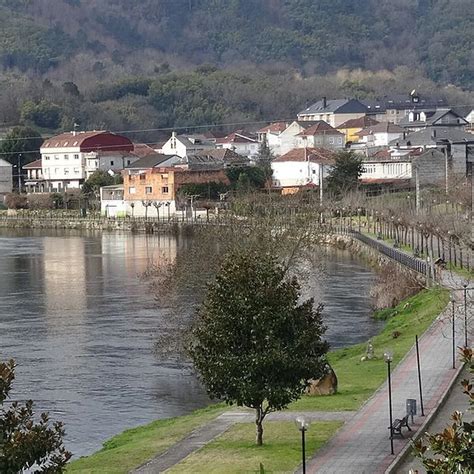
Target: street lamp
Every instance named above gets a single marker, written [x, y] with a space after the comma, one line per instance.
[465, 315]
[388, 358]
[302, 424]
[453, 302]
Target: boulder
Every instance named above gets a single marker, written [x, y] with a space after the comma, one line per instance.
[326, 385]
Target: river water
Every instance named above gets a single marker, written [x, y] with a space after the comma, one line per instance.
[81, 325]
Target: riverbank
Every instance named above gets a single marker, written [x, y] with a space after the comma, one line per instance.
[357, 382]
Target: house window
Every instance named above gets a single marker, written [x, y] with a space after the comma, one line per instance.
[128, 162]
[76, 157]
[46, 157]
[76, 170]
[165, 190]
[66, 157]
[331, 140]
[111, 162]
[56, 170]
[56, 157]
[142, 177]
[339, 140]
[132, 190]
[148, 189]
[66, 171]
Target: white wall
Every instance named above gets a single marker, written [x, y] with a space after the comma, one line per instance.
[59, 164]
[6, 177]
[380, 138]
[387, 170]
[297, 173]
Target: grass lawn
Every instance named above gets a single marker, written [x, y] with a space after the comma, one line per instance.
[235, 450]
[135, 446]
[358, 380]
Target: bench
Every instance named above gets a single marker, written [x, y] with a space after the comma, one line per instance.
[398, 424]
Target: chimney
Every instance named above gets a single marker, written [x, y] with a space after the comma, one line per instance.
[173, 134]
[325, 102]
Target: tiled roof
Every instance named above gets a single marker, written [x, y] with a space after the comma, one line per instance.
[361, 122]
[433, 135]
[235, 138]
[149, 161]
[224, 154]
[273, 127]
[70, 139]
[320, 128]
[141, 149]
[33, 165]
[315, 155]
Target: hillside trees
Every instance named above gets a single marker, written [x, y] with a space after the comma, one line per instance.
[21, 145]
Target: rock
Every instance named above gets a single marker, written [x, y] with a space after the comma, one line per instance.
[326, 385]
[395, 334]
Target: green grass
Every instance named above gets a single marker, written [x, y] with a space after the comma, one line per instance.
[135, 446]
[235, 451]
[358, 380]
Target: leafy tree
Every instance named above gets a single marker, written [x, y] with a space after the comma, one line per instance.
[21, 140]
[345, 174]
[24, 443]
[254, 174]
[255, 344]
[454, 446]
[95, 181]
[71, 89]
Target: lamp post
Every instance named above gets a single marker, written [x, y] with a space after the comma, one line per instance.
[453, 301]
[303, 426]
[465, 315]
[388, 357]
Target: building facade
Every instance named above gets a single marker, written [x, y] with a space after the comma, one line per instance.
[6, 178]
[64, 157]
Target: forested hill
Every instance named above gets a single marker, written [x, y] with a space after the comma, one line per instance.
[315, 36]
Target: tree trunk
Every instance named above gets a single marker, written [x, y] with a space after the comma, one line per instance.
[259, 425]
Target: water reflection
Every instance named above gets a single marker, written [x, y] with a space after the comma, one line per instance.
[82, 325]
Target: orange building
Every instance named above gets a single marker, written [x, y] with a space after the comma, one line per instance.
[160, 186]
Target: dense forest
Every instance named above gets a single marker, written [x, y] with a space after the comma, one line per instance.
[162, 63]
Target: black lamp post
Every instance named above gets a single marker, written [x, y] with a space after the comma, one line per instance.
[465, 315]
[453, 302]
[303, 426]
[388, 357]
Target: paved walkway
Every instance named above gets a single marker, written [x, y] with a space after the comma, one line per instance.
[363, 444]
[219, 425]
[456, 400]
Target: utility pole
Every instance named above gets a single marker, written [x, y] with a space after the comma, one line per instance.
[446, 170]
[417, 189]
[19, 172]
[321, 176]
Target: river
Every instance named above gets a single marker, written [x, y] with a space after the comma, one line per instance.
[81, 325]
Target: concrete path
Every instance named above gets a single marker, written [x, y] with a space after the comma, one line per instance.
[456, 400]
[206, 433]
[363, 445]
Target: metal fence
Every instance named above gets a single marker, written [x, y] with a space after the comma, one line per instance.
[416, 264]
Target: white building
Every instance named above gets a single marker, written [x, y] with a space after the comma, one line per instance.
[380, 135]
[317, 134]
[64, 157]
[302, 167]
[271, 133]
[240, 143]
[183, 145]
[6, 177]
